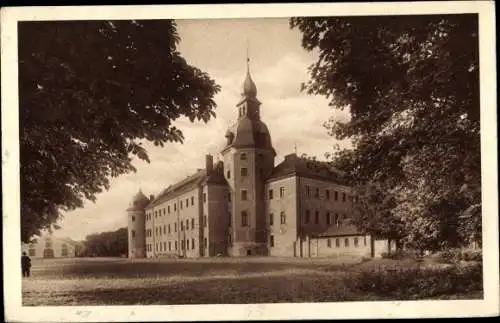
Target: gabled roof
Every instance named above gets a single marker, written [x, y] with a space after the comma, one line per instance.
[190, 183]
[298, 166]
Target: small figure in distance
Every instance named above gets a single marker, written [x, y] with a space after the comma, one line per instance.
[25, 265]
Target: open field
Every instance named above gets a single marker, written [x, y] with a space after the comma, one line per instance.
[115, 281]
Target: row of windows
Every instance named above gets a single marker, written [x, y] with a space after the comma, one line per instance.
[282, 193]
[282, 218]
[168, 228]
[185, 245]
[335, 219]
[182, 203]
[328, 195]
[346, 242]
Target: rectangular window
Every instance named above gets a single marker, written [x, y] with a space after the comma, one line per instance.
[187, 244]
[328, 220]
[244, 171]
[229, 197]
[308, 190]
[337, 221]
[133, 218]
[346, 242]
[164, 229]
[316, 193]
[187, 224]
[244, 195]
[169, 228]
[192, 200]
[271, 241]
[316, 217]
[282, 191]
[168, 209]
[243, 156]
[133, 234]
[271, 219]
[327, 193]
[329, 243]
[164, 246]
[157, 246]
[356, 242]
[244, 219]
[180, 204]
[176, 246]
[175, 227]
[205, 244]
[337, 243]
[336, 195]
[182, 225]
[283, 217]
[270, 194]
[228, 174]
[343, 197]
[175, 207]
[192, 243]
[156, 230]
[365, 241]
[183, 244]
[204, 197]
[205, 221]
[169, 246]
[192, 224]
[308, 215]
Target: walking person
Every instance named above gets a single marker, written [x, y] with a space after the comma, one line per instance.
[25, 265]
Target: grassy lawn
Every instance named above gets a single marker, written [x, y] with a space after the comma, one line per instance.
[114, 281]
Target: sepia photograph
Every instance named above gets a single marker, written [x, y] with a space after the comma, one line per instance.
[292, 158]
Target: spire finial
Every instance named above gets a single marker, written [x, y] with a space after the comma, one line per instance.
[248, 59]
[249, 88]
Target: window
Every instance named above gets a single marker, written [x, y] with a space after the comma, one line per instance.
[180, 204]
[192, 243]
[244, 219]
[308, 190]
[182, 225]
[169, 245]
[156, 214]
[271, 219]
[228, 174]
[316, 217]
[183, 244]
[187, 224]
[176, 245]
[175, 207]
[156, 230]
[165, 246]
[229, 197]
[192, 200]
[337, 243]
[244, 195]
[169, 228]
[343, 197]
[244, 171]
[32, 251]
[356, 242]
[243, 156]
[133, 218]
[282, 217]
[204, 220]
[327, 193]
[336, 195]
[346, 242]
[64, 250]
[329, 243]
[271, 241]
[337, 221]
[365, 241]
[204, 197]
[282, 191]
[168, 209]
[308, 215]
[270, 194]
[159, 229]
[187, 244]
[164, 229]
[316, 193]
[328, 220]
[192, 224]
[157, 246]
[205, 244]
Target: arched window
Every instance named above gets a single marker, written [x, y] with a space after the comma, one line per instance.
[282, 217]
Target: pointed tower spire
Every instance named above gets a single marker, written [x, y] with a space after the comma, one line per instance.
[249, 88]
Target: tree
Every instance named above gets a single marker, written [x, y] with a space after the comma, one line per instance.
[411, 84]
[90, 93]
[107, 244]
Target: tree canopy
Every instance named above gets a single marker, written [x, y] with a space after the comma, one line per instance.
[107, 244]
[90, 92]
[411, 84]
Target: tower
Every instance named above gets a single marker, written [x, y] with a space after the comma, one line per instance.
[248, 161]
[136, 214]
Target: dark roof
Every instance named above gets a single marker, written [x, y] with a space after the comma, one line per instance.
[336, 231]
[139, 202]
[298, 166]
[190, 183]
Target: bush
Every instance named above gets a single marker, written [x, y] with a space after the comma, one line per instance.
[451, 256]
[401, 254]
[416, 282]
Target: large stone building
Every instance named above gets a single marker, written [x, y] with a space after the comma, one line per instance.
[49, 245]
[246, 205]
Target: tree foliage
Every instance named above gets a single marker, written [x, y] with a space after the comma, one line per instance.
[411, 84]
[107, 244]
[90, 93]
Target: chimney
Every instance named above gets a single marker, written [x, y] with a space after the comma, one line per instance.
[209, 163]
[151, 197]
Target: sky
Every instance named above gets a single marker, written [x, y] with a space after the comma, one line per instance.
[278, 65]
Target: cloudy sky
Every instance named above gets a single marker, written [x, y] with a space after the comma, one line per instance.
[278, 65]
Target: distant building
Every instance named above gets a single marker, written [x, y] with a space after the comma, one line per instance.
[49, 246]
[246, 205]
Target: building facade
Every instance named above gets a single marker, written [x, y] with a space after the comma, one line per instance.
[246, 205]
[50, 246]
